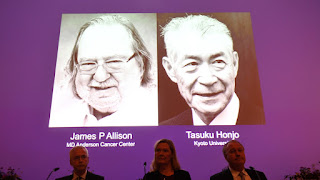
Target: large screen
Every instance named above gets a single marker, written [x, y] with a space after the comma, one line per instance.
[73, 75]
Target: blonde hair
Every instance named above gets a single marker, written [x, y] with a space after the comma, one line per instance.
[174, 161]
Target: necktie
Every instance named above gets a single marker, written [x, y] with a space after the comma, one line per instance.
[79, 178]
[241, 174]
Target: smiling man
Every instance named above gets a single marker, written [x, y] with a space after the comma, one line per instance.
[111, 78]
[201, 60]
[107, 68]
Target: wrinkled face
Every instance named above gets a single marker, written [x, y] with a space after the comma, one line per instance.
[117, 73]
[163, 154]
[79, 160]
[205, 68]
[235, 154]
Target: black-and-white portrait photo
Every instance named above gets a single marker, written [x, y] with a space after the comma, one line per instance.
[106, 71]
[211, 63]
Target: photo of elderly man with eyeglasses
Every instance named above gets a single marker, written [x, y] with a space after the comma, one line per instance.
[110, 70]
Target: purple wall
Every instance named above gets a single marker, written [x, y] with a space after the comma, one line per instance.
[286, 35]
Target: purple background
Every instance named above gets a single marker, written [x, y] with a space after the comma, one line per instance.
[286, 35]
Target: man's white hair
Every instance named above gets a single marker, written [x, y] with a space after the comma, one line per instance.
[193, 24]
[78, 147]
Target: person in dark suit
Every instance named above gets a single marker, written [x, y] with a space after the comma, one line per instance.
[79, 160]
[202, 61]
[233, 152]
[165, 164]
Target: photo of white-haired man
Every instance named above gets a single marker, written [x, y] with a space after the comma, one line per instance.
[111, 72]
[201, 59]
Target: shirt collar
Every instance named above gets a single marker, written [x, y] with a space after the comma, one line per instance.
[83, 176]
[235, 173]
[126, 115]
[228, 116]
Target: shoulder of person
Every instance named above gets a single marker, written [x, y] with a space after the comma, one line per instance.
[184, 118]
[221, 175]
[94, 176]
[65, 178]
[182, 173]
[262, 176]
[151, 175]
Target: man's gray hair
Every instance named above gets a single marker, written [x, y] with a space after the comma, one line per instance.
[225, 146]
[144, 56]
[79, 147]
[199, 24]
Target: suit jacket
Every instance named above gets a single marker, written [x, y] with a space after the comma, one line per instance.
[226, 175]
[90, 176]
[248, 115]
[184, 118]
[178, 175]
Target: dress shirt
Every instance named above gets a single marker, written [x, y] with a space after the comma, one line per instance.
[140, 109]
[83, 176]
[236, 176]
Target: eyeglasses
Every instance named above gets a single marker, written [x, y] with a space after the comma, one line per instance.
[77, 158]
[111, 65]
